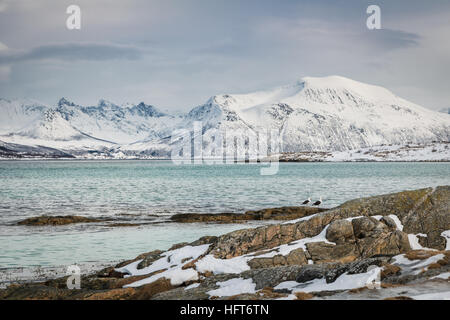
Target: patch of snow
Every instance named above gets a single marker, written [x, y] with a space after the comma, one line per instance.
[445, 276]
[218, 266]
[233, 286]
[343, 282]
[300, 219]
[285, 249]
[286, 285]
[415, 266]
[397, 221]
[173, 261]
[414, 242]
[169, 259]
[289, 297]
[192, 286]
[176, 276]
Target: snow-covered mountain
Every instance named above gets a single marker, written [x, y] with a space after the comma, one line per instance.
[314, 114]
[119, 124]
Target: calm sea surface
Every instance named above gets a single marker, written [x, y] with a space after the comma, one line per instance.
[150, 191]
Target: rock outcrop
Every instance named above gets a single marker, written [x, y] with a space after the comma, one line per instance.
[56, 220]
[283, 213]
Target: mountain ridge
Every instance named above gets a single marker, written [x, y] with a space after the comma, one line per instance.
[313, 114]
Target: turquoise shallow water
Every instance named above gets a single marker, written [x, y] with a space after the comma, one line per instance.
[151, 190]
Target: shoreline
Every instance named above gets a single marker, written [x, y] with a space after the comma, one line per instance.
[434, 151]
[236, 162]
[260, 255]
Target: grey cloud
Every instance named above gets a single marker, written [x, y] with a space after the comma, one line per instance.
[392, 39]
[73, 52]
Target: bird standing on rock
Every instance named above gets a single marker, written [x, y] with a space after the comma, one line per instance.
[318, 202]
[306, 201]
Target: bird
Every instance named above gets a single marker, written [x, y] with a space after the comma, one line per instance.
[307, 201]
[318, 202]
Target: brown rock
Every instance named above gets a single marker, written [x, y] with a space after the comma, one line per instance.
[420, 254]
[340, 231]
[303, 295]
[145, 292]
[324, 252]
[389, 270]
[283, 213]
[295, 257]
[389, 222]
[399, 298]
[367, 227]
[115, 294]
[56, 220]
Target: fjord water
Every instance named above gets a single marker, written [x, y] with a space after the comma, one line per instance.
[151, 191]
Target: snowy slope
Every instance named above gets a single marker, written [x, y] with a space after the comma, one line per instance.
[332, 113]
[119, 124]
[19, 114]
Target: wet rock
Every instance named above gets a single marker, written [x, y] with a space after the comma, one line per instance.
[324, 252]
[149, 258]
[283, 213]
[295, 257]
[147, 291]
[356, 267]
[270, 277]
[340, 231]
[56, 220]
[389, 222]
[367, 227]
[311, 272]
[123, 224]
[114, 294]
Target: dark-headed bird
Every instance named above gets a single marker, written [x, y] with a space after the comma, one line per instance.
[318, 202]
[307, 201]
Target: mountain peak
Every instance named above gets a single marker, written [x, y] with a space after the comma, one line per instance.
[64, 102]
[104, 103]
[334, 82]
[147, 110]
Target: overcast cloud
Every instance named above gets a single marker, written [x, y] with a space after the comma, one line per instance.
[176, 53]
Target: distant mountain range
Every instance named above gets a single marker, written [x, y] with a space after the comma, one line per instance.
[314, 114]
[445, 110]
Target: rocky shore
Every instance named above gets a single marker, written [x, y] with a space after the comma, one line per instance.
[56, 220]
[394, 246]
[283, 213]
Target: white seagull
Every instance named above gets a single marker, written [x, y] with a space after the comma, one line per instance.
[307, 201]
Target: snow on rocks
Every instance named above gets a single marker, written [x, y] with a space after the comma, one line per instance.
[233, 287]
[172, 262]
[343, 282]
[415, 266]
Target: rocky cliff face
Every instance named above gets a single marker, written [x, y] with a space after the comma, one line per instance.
[379, 247]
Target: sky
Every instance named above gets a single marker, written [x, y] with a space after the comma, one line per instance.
[175, 54]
